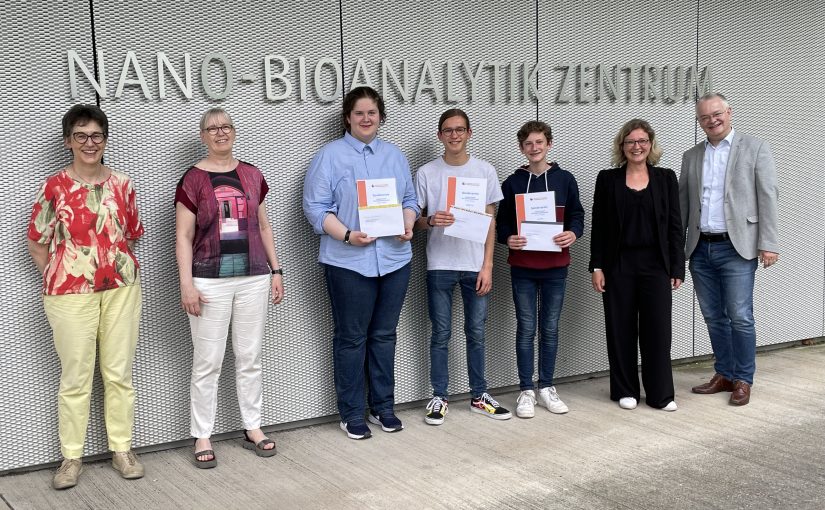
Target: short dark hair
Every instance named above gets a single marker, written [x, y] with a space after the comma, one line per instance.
[453, 112]
[534, 126]
[82, 114]
[353, 96]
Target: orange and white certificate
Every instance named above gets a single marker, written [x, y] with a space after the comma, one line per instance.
[536, 220]
[466, 200]
[467, 193]
[379, 212]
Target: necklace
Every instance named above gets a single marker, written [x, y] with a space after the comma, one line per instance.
[94, 181]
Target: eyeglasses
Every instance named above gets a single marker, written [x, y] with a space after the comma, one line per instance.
[213, 130]
[631, 143]
[97, 138]
[449, 131]
[712, 116]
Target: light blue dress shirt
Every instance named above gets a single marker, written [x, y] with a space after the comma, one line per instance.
[330, 187]
[714, 170]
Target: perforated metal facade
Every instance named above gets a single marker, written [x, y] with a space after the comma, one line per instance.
[759, 53]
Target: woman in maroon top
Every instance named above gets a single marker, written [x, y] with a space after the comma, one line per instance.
[227, 265]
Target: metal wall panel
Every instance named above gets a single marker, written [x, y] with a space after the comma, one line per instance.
[34, 79]
[439, 32]
[660, 34]
[764, 64]
[155, 140]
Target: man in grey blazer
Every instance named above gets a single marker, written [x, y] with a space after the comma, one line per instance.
[728, 195]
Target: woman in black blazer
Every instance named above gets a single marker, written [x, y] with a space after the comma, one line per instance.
[636, 257]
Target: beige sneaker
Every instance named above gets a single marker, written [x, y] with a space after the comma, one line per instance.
[67, 474]
[127, 465]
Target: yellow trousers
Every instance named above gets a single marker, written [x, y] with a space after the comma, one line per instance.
[82, 324]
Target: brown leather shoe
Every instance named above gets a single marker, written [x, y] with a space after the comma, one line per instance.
[717, 383]
[741, 393]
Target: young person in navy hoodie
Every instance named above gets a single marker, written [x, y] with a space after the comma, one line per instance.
[538, 273]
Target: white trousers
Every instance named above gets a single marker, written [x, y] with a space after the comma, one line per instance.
[243, 300]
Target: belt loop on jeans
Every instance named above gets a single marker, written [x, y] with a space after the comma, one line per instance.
[714, 237]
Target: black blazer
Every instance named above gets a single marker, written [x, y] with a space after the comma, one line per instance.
[608, 215]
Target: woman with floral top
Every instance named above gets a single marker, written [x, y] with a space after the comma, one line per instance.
[82, 233]
[228, 268]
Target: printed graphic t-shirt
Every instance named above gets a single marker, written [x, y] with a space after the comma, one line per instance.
[233, 210]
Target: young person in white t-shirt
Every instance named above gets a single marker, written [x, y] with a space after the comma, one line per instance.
[455, 261]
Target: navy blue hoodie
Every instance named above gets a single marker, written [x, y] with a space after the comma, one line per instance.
[568, 209]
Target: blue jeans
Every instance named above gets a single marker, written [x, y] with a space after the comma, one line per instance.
[365, 311]
[724, 287]
[440, 285]
[525, 296]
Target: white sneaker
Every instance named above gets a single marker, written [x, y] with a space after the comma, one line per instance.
[526, 404]
[670, 407]
[550, 399]
[627, 403]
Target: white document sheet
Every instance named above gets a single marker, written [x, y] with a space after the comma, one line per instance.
[381, 221]
[470, 225]
[540, 234]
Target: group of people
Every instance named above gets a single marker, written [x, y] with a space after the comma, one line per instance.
[85, 223]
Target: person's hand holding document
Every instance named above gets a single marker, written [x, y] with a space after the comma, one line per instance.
[470, 225]
[379, 212]
[536, 220]
[466, 202]
[540, 235]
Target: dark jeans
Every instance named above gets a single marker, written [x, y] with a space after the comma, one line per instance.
[440, 285]
[365, 311]
[525, 297]
[724, 281]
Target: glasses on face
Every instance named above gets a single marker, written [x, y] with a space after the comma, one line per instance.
[97, 138]
[713, 116]
[449, 131]
[642, 143]
[213, 130]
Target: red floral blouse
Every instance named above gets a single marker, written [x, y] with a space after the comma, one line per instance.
[86, 227]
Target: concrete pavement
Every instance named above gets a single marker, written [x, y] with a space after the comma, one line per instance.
[708, 454]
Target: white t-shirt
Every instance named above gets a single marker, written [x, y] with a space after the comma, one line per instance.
[446, 252]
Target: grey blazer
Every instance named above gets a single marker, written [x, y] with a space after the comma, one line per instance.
[751, 196]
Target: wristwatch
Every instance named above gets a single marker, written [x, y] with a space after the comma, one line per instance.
[346, 237]
[279, 271]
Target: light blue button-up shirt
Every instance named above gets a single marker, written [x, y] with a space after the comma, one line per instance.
[714, 169]
[330, 187]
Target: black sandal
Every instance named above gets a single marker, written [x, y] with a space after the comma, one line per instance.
[205, 464]
[259, 447]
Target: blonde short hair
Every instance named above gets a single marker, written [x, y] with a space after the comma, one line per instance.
[211, 113]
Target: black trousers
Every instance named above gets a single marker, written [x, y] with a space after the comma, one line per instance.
[637, 305]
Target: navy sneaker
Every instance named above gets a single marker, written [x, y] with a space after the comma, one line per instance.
[356, 430]
[388, 421]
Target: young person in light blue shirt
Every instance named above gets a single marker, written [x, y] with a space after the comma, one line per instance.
[366, 276]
